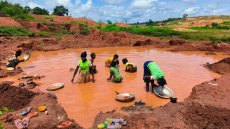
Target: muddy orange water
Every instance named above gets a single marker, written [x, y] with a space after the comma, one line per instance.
[83, 102]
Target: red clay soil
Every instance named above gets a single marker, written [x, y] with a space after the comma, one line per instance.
[6, 73]
[185, 46]
[87, 21]
[208, 106]
[67, 19]
[13, 97]
[221, 67]
[18, 98]
[8, 21]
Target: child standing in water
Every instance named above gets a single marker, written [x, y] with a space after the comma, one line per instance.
[114, 72]
[84, 66]
[130, 67]
[93, 67]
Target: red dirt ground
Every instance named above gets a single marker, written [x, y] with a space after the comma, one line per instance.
[208, 106]
[8, 21]
[19, 98]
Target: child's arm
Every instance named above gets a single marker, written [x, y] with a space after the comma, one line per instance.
[75, 72]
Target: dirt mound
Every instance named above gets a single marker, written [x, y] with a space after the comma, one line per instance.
[18, 98]
[221, 67]
[13, 97]
[8, 21]
[6, 73]
[176, 42]
[220, 47]
[87, 21]
[67, 19]
[38, 18]
[206, 117]
[143, 43]
[63, 19]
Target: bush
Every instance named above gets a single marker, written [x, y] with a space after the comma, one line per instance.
[14, 31]
[39, 11]
[226, 23]
[52, 28]
[44, 34]
[63, 31]
[15, 10]
[84, 32]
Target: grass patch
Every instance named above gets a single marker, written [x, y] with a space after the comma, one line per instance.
[213, 35]
[80, 23]
[14, 31]
[63, 31]
[148, 31]
[204, 36]
[85, 32]
[45, 34]
[52, 28]
[4, 110]
[214, 26]
[1, 125]
[226, 23]
[48, 16]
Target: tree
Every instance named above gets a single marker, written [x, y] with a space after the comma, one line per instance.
[13, 10]
[185, 15]
[40, 11]
[150, 22]
[109, 22]
[28, 9]
[60, 10]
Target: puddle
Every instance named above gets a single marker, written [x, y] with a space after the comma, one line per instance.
[83, 102]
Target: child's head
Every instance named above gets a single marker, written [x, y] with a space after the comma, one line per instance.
[93, 55]
[124, 61]
[113, 64]
[83, 56]
[18, 53]
[115, 56]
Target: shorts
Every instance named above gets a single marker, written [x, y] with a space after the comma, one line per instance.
[146, 70]
[84, 78]
[93, 69]
[117, 79]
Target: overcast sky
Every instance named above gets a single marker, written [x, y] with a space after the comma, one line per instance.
[133, 10]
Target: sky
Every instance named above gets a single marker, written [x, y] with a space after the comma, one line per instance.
[133, 11]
